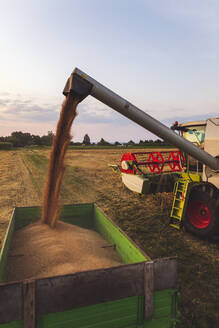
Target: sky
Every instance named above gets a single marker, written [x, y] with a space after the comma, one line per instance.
[161, 55]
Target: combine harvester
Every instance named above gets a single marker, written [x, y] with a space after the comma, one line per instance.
[191, 172]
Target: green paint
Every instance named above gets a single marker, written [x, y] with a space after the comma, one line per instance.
[77, 209]
[5, 248]
[123, 313]
[124, 247]
[26, 215]
[120, 313]
[78, 214]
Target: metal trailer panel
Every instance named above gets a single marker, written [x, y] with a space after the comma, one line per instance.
[5, 247]
[127, 312]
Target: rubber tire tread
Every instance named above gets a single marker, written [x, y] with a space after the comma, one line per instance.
[208, 193]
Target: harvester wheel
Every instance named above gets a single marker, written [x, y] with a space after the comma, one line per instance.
[202, 210]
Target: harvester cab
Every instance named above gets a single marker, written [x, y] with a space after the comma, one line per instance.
[196, 194]
[204, 134]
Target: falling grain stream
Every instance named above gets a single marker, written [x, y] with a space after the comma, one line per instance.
[50, 209]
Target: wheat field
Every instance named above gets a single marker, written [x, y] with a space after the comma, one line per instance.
[145, 219]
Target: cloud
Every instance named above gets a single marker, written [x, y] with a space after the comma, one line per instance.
[28, 113]
[30, 110]
[98, 113]
[26, 110]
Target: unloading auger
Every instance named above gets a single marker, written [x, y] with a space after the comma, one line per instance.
[196, 201]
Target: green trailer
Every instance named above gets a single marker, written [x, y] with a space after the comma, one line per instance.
[138, 293]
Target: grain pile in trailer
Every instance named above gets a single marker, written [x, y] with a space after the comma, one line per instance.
[48, 252]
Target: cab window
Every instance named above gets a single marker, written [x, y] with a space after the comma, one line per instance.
[195, 134]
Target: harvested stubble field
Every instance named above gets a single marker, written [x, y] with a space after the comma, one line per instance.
[145, 219]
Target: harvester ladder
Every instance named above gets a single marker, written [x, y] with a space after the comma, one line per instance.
[180, 198]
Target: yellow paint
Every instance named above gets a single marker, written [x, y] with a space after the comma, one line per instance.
[190, 176]
[175, 226]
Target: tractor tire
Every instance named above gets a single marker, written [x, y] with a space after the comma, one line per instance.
[202, 217]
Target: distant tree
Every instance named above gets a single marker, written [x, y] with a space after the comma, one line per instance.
[36, 140]
[50, 136]
[117, 143]
[48, 139]
[131, 142]
[102, 142]
[20, 139]
[86, 140]
[15, 142]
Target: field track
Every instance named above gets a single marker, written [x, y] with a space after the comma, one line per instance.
[16, 188]
[145, 219]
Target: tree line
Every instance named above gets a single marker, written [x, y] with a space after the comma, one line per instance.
[23, 139]
[102, 142]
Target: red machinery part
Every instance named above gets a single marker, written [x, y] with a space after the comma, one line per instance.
[175, 160]
[126, 161]
[155, 162]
